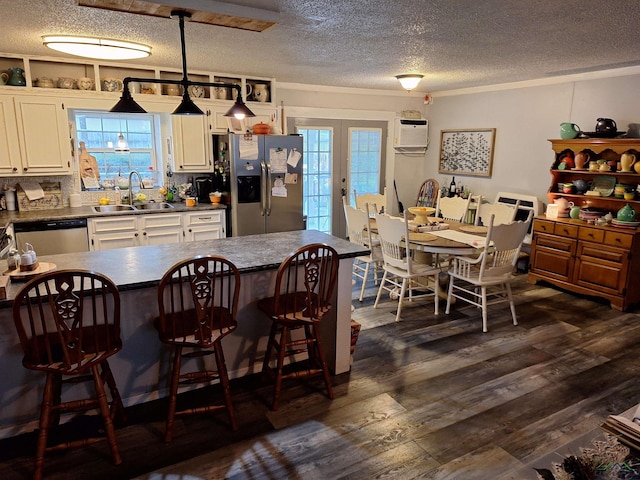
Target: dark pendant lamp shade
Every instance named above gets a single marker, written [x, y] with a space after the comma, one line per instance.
[239, 108]
[187, 107]
[127, 104]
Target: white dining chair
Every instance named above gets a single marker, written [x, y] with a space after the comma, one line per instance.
[378, 199]
[453, 208]
[485, 279]
[359, 231]
[502, 213]
[401, 274]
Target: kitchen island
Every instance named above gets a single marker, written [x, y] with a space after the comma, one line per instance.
[142, 365]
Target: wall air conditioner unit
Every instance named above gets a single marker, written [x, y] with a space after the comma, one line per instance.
[411, 134]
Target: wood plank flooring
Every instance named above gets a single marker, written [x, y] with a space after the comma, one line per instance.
[429, 397]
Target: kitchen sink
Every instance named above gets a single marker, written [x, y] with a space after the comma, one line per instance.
[153, 206]
[112, 208]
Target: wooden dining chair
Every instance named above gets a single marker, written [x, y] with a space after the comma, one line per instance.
[453, 208]
[378, 199]
[68, 322]
[501, 212]
[302, 298]
[359, 229]
[428, 193]
[486, 279]
[198, 303]
[402, 275]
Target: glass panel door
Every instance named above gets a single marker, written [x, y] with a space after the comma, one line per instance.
[316, 178]
[365, 153]
[339, 155]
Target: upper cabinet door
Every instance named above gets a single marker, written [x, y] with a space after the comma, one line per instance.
[43, 132]
[191, 139]
[9, 145]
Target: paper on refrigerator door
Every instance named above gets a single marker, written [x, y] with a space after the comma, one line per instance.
[294, 157]
[278, 160]
[248, 148]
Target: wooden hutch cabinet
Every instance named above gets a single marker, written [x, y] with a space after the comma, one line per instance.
[581, 257]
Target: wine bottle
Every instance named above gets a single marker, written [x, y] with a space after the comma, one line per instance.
[452, 187]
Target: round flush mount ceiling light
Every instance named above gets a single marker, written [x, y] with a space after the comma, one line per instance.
[409, 81]
[100, 48]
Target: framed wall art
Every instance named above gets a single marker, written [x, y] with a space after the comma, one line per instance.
[467, 152]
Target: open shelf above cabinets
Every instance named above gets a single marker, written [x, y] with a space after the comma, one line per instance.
[78, 77]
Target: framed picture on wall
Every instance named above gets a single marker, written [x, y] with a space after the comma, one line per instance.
[467, 152]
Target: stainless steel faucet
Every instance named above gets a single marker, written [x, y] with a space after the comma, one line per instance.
[131, 185]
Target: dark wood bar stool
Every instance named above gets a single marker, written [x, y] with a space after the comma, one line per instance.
[68, 322]
[198, 303]
[302, 298]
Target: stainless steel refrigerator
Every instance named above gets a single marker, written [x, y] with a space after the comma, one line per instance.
[265, 183]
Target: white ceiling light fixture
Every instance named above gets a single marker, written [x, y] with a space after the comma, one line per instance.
[409, 81]
[93, 47]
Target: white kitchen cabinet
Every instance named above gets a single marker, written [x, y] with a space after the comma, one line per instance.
[265, 113]
[43, 133]
[9, 145]
[160, 228]
[120, 231]
[106, 233]
[204, 225]
[35, 136]
[191, 143]
[221, 124]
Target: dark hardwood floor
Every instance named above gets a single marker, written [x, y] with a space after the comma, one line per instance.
[428, 397]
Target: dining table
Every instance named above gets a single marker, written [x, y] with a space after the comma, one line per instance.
[444, 238]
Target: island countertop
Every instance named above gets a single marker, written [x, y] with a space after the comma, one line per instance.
[141, 267]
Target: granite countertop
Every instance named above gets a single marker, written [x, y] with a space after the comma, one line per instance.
[141, 267]
[86, 211]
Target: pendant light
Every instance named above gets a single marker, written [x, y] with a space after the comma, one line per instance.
[122, 146]
[409, 81]
[127, 104]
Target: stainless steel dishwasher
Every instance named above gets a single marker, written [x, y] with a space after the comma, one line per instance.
[53, 237]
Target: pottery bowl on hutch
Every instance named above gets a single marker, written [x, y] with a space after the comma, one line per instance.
[44, 82]
[111, 85]
[85, 83]
[66, 82]
[196, 91]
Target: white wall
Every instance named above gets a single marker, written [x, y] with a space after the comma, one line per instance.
[525, 118]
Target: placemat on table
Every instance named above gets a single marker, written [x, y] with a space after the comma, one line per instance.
[421, 237]
[474, 229]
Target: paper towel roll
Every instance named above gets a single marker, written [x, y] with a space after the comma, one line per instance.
[75, 200]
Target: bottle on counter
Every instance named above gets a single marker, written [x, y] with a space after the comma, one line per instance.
[452, 187]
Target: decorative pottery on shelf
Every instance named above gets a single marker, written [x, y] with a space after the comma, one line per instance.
[261, 129]
[627, 214]
[569, 131]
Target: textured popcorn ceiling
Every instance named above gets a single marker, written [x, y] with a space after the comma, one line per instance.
[361, 43]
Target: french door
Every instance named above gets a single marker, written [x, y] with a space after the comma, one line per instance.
[339, 156]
